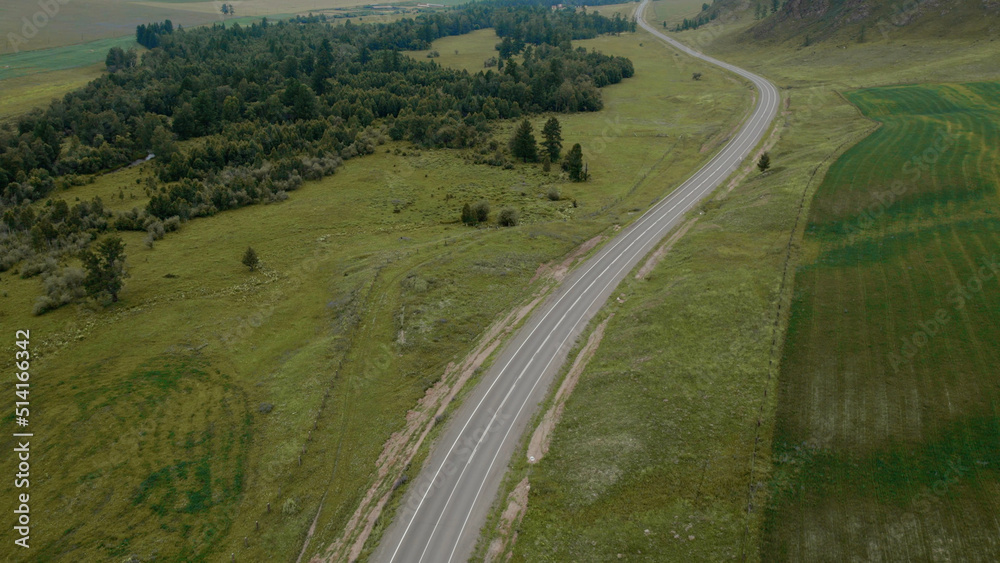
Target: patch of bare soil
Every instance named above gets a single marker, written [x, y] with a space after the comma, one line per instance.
[558, 271]
[540, 440]
[517, 505]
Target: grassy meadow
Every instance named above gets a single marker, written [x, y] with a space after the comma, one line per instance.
[887, 440]
[466, 52]
[212, 400]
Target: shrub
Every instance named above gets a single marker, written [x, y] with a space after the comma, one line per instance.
[60, 289]
[154, 232]
[554, 194]
[482, 210]
[509, 217]
[40, 265]
[468, 217]
[290, 507]
[171, 224]
[250, 259]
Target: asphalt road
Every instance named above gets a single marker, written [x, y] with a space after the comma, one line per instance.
[445, 507]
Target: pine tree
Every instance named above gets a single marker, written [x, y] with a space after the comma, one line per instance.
[322, 66]
[523, 144]
[574, 164]
[105, 268]
[764, 163]
[250, 259]
[552, 133]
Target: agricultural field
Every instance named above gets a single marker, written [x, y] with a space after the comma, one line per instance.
[223, 379]
[83, 21]
[22, 94]
[31, 63]
[887, 439]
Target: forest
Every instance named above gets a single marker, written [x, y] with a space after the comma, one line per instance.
[274, 104]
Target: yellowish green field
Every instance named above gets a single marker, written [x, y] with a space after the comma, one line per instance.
[466, 52]
[671, 11]
[25, 93]
[82, 21]
[27, 63]
[174, 418]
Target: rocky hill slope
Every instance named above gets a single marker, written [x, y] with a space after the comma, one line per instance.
[812, 21]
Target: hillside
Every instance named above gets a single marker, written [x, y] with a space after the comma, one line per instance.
[813, 21]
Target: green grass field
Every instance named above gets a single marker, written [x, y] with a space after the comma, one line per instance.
[672, 11]
[25, 93]
[156, 440]
[25, 63]
[887, 441]
[466, 52]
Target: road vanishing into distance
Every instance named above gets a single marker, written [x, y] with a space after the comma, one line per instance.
[445, 507]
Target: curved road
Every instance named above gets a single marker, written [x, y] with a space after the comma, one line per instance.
[444, 509]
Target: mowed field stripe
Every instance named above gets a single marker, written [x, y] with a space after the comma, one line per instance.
[887, 439]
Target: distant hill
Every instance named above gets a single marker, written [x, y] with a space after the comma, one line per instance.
[812, 21]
